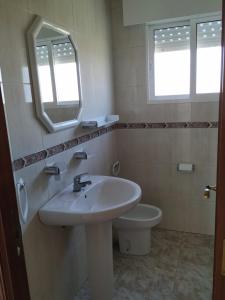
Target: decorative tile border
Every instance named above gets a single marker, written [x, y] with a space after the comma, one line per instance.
[31, 159]
[167, 125]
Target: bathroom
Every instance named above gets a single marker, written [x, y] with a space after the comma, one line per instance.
[164, 136]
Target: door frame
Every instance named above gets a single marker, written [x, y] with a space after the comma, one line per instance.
[219, 280]
[13, 276]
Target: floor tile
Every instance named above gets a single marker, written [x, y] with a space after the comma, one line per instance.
[179, 267]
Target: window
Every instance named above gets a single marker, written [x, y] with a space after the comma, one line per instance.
[208, 57]
[184, 60]
[172, 61]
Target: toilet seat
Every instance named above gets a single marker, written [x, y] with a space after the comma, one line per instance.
[142, 216]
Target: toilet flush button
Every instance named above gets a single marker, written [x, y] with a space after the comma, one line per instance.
[185, 167]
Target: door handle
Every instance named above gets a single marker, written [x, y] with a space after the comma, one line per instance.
[207, 191]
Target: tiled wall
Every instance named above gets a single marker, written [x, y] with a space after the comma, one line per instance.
[150, 157]
[55, 257]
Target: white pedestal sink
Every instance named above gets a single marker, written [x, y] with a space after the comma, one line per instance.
[95, 206]
[100, 260]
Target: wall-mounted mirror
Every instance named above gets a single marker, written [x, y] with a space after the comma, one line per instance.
[55, 74]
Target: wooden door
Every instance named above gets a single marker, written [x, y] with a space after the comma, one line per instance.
[219, 267]
[13, 277]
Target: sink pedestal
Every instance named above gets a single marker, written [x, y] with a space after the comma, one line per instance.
[100, 260]
[95, 206]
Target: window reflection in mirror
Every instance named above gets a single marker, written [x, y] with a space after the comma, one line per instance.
[44, 73]
[65, 63]
[57, 69]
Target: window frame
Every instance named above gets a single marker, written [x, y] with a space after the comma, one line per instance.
[192, 96]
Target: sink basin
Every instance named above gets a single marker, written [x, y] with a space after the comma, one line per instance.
[105, 199]
[95, 206]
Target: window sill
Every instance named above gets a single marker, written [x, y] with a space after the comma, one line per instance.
[199, 98]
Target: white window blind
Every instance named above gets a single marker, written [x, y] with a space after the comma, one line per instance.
[172, 38]
[63, 52]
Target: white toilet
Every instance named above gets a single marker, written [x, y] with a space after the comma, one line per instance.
[134, 229]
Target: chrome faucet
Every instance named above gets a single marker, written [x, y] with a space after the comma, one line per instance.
[77, 184]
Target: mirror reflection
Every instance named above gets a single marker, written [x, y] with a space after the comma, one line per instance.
[57, 96]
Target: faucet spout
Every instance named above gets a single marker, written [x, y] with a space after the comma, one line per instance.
[78, 185]
[84, 183]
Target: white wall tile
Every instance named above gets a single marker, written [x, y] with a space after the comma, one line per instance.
[42, 8]
[150, 156]
[84, 18]
[212, 145]
[174, 214]
[63, 13]
[13, 56]
[208, 111]
[25, 132]
[202, 216]
[130, 66]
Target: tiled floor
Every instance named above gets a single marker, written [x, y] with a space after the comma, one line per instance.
[179, 267]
